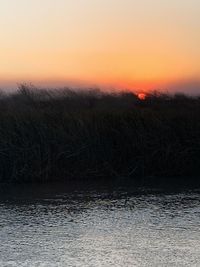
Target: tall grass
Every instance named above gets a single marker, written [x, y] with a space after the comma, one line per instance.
[66, 135]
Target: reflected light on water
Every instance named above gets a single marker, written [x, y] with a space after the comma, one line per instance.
[100, 229]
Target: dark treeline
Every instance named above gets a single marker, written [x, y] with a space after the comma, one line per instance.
[66, 135]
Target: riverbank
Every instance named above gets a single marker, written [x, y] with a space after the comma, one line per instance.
[67, 135]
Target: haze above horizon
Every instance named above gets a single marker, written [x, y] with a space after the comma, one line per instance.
[142, 45]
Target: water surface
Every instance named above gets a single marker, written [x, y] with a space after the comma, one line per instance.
[57, 227]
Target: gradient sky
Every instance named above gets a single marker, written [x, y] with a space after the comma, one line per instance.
[138, 44]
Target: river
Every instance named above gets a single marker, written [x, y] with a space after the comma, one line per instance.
[42, 226]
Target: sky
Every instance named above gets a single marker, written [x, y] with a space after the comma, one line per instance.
[134, 44]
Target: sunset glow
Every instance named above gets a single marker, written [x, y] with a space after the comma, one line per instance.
[142, 45]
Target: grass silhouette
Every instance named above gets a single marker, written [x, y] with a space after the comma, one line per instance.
[53, 135]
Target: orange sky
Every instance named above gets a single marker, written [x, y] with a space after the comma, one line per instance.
[146, 44]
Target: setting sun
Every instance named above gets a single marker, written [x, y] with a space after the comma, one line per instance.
[142, 96]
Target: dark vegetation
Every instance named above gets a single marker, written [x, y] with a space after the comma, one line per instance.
[75, 135]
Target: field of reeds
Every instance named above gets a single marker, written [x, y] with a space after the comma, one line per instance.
[56, 135]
